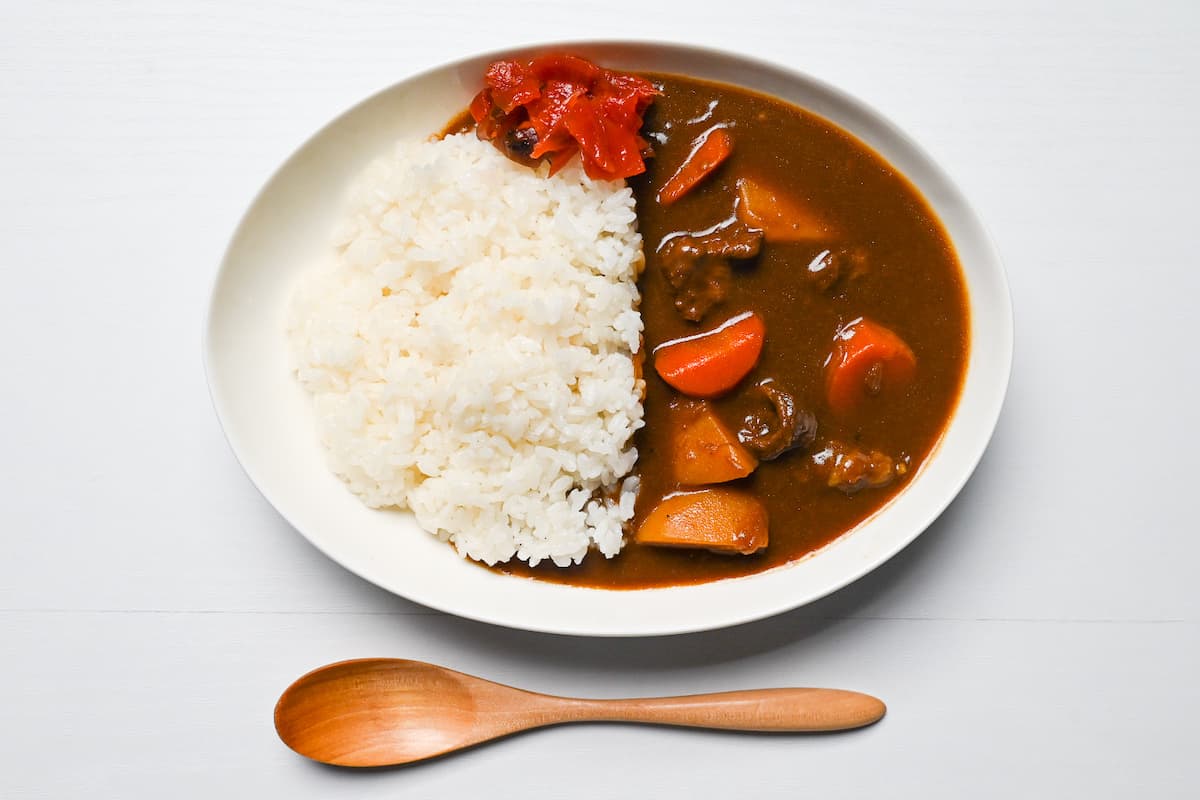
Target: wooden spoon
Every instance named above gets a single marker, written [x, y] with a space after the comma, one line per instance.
[376, 712]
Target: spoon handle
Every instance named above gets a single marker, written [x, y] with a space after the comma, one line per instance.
[752, 710]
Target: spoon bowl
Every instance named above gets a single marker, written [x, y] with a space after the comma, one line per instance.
[381, 711]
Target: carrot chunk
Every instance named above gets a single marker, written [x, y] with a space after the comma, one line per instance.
[780, 217]
[867, 360]
[711, 363]
[714, 146]
[703, 449]
[721, 520]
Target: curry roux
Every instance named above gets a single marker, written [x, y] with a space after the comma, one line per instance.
[908, 279]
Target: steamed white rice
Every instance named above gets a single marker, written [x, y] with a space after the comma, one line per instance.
[470, 353]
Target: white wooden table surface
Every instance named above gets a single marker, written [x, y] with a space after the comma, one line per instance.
[1041, 640]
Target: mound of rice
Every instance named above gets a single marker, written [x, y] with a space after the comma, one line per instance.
[470, 354]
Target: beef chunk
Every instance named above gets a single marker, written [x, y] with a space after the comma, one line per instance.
[784, 427]
[852, 469]
[698, 267]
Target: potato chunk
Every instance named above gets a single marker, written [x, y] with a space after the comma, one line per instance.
[703, 449]
[780, 217]
[722, 520]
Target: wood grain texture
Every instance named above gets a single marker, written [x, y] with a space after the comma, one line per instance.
[376, 712]
[1042, 639]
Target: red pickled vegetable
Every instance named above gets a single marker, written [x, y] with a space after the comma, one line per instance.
[710, 150]
[562, 105]
[711, 363]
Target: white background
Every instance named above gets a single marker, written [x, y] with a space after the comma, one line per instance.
[1042, 639]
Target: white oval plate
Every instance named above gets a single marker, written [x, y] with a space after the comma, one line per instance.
[269, 423]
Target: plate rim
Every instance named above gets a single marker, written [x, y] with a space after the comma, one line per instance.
[759, 611]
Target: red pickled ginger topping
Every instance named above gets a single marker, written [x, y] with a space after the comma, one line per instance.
[557, 105]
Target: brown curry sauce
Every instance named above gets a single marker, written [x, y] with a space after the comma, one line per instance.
[906, 276]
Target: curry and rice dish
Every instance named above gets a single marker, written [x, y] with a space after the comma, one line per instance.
[629, 331]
